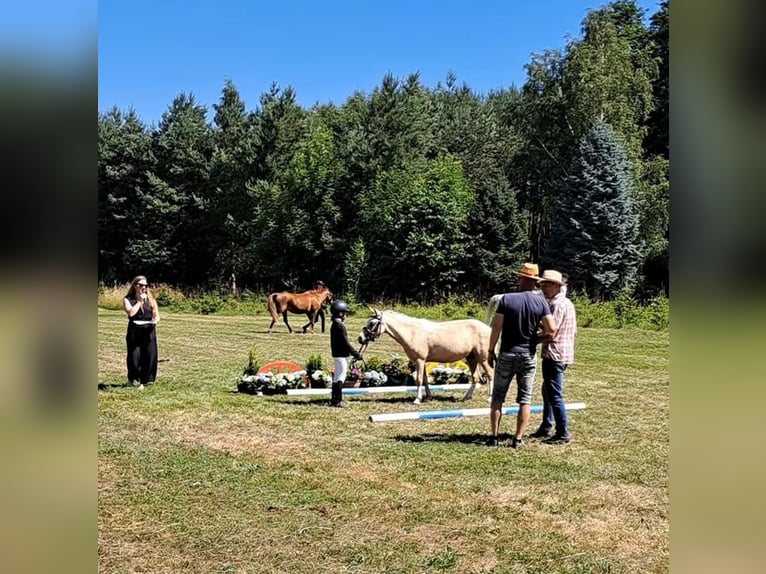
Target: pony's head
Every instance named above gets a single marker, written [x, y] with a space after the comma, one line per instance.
[373, 328]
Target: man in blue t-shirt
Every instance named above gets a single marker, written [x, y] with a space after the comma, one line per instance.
[518, 318]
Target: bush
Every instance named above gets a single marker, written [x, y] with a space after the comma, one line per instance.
[207, 304]
[659, 313]
[622, 312]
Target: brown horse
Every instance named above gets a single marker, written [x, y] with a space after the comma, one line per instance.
[308, 303]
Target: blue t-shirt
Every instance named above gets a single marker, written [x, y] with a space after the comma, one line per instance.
[522, 313]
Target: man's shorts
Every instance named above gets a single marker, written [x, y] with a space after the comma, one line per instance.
[508, 365]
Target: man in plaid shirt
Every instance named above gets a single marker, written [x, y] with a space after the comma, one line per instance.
[558, 352]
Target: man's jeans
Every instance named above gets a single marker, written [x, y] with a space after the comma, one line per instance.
[553, 399]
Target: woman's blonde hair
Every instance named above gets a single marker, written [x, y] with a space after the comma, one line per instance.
[132, 294]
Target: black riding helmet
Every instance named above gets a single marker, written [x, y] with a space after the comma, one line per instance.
[339, 307]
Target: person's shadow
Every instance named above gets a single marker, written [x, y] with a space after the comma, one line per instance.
[108, 386]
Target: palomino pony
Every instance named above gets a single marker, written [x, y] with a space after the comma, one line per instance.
[308, 303]
[426, 341]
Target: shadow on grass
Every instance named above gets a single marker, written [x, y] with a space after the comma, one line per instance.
[322, 400]
[109, 386]
[472, 438]
[411, 397]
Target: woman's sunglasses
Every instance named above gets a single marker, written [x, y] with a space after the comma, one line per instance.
[142, 284]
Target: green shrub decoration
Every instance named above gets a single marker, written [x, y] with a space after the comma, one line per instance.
[315, 363]
[374, 363]
[253, 364]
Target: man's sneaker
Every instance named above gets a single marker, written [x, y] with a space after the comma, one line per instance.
[516, 442]
[491, 441]
[540, 434]
[557, 440]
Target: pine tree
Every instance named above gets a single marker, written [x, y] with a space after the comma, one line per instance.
[594, 231]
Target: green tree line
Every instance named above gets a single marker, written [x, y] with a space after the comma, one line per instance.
[408, 191]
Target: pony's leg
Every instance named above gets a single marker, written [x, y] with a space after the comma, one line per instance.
[420, 367]
[284, 317]
[321, 317]
[425, 382]
[490, 372]
[473, 368]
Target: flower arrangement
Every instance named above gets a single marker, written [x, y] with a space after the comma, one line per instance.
[373, 379]
[320, 379]
[397, 371]
[271, 383]
[353, 376]
[447, 375]
[313, 365]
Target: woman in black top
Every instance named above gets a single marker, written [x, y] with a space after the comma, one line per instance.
[141, 337]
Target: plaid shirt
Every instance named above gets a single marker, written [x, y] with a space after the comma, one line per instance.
[561, 347]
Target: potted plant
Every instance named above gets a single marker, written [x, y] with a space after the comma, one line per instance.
[320, 380]
[397, 371]
[449, 375]
[313, 365]
[353, 377]
[372, 378]
[246, 383]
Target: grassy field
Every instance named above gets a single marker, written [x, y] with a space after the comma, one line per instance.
[194, 477]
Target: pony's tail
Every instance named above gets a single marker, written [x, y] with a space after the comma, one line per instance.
[272, 306]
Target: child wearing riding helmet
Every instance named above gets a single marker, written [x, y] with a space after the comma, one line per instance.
[340, 348]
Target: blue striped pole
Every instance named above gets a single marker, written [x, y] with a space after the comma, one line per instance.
[458, 413]
[382, 389]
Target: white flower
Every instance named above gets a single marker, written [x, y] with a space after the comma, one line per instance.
[263, 378]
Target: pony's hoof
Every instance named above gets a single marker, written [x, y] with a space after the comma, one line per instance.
[416, 402]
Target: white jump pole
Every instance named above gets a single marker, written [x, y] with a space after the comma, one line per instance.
[383, 389]
[457, 413]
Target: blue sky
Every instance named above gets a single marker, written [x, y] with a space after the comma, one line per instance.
[150, 51]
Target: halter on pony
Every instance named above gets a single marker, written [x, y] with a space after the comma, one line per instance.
[373, 329]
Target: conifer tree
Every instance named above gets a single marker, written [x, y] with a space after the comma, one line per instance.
[594, 231]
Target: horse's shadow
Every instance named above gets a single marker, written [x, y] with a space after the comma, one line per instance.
[322, 400]
[468, 438]
[406, 400]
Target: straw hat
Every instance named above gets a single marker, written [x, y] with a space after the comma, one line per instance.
[530, 270]
[551, 276]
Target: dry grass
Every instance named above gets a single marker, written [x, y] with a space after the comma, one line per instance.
[194, 477]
